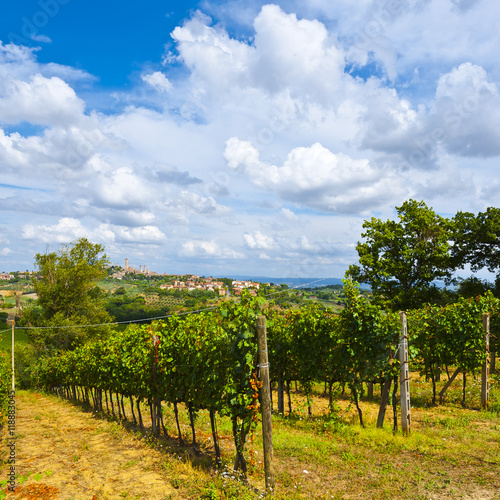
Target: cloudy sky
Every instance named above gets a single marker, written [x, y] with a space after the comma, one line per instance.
[236, 137]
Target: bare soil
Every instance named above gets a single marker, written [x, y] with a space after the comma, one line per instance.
[65, 453]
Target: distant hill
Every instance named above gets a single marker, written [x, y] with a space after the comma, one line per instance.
[291, 282]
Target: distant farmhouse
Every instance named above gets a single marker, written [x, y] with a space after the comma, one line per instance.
[239, 286]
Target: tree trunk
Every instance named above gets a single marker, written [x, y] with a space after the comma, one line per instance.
[289, 397]
[383, 402]
[370, 390]
[433, 379]
[123, 408]
[153, 416]
[112, 405]
[445, 388]
[132, 408]
[360, 413]
[463, 389]
[395, 404]
[193, 430]
[330, 396]
[176, 412]
[309, 405]
[213, 423]
[118, 405]
[281, 402]
[239, 442]
[138, 406]
[160, 411]
[271, 394]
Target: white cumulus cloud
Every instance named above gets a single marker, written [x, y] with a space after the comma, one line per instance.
[43, 101]
[123, 188]
[315, 177]
[466, 115]
[158, 81]
[258, 240]
[209, 248]
[66, 230]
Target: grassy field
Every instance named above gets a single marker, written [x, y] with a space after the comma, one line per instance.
[452, 451]
[20, 338]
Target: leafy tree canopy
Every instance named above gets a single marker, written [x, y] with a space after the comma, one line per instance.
[472, 287]
[477, 239]
[400, 259]
[68, 296]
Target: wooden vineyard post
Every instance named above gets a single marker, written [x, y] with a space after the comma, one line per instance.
[267, 430]
[485, 386]
[404, 376]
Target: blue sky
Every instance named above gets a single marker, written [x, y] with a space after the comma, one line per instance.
[240, 138]
[111, 40]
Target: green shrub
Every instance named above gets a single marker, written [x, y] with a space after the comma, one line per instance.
[25, 358]
[5, 385]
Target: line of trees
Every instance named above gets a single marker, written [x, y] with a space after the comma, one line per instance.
[402, 259]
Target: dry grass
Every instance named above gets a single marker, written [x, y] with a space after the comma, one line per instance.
[452, 452]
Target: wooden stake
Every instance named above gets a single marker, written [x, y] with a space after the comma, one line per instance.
[404, 377]
[485, 386]
[267, 429]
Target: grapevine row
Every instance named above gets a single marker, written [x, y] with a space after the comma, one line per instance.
[209, 360]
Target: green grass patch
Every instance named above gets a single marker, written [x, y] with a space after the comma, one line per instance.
[20, 338]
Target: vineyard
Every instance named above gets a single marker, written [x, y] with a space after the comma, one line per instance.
[166, 302]
[209, 361]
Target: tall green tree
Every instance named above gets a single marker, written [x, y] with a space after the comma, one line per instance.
[472, 287]
[477, 240]
[68, 296]
[400, 259]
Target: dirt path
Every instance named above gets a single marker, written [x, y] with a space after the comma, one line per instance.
[63, 453]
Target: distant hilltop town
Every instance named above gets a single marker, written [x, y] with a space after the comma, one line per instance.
[187, 282]
[132, 270]
[192, 282]
[212, 285]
